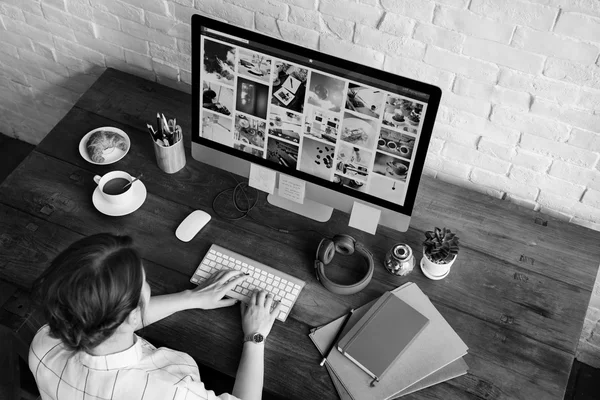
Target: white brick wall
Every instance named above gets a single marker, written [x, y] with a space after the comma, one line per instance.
[520, 113]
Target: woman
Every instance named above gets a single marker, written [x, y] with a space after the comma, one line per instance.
[95, 296]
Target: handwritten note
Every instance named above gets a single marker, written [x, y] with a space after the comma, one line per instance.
[292, 188]
[262, 178]
[364, 218]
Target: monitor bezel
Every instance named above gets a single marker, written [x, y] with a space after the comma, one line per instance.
[434, 92]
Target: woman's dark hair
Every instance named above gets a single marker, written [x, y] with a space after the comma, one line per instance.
[90, 289]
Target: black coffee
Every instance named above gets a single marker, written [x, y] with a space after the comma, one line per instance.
[116, 186]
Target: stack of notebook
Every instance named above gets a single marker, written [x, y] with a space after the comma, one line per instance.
[390, 347]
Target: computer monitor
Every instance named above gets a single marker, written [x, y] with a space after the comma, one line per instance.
[352, 133]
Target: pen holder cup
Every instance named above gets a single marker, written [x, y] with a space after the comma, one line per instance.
[170, 159]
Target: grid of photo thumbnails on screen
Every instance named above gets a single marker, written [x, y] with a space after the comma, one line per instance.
[344, 132]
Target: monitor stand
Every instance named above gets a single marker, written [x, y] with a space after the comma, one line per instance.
[310, 209]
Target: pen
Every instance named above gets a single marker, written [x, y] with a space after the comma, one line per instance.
[337, 337]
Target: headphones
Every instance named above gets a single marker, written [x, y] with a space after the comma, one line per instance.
[346, 245]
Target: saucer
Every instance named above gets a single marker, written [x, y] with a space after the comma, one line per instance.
[119, 210]
[434, 277]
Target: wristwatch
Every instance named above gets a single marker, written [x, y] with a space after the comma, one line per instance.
[254, 338]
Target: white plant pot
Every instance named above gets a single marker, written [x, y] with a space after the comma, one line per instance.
[434, 270]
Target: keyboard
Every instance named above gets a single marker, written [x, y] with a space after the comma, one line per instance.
[284, 288]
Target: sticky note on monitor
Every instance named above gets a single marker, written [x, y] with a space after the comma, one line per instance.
[292, 188]
[364, 217]
[262, 178]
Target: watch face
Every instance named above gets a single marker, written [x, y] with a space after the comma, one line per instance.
[258, 338]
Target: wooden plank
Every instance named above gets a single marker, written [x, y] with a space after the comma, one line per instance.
[46, 183]
[504, 292]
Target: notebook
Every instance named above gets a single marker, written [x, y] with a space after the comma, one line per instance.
[436, 347]
[381, 335]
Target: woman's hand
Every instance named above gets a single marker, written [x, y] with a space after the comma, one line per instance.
[257, 315]
[209, 294]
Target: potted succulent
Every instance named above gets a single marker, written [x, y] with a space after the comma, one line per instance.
[440, 250]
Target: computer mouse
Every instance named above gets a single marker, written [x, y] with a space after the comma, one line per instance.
[191, 225]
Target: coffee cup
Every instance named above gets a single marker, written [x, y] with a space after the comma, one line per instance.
[113, 187]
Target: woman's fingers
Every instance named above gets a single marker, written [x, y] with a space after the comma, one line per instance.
[234, 282]
[260, 298]
[269, 301]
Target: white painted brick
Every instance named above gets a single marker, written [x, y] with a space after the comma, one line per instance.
[60, 4]
[389, 44]
[272, 8]
[12, 12]
[187, 3]
[184, 14]
[469, 185]
[591, 198]
[184, 47]
[267, 25]
[468, 104]
[472, 24]
[454, 3]
[550, 44]
[512, 98]
[495, 94]
[44, 51]
[433, 162]
[575, 174]
[419, 10]
[132, 69]
[516, 11]
[122, 10]
[75, 64]
[397, 25]
[447, 133]
[103, 47]
[147, 34]
[419, 71]
[570, 71]
[495, 149]
[477, 125]
[78, 51]
[455, 168]
[349, 51]
[585, 139]
[169, 26]
[558, 215]
[32, 6]
[468, 87]
[581, 119]
[531, 160]
[185, 77]
[588, 99]
[24, 29]
[426, 171]
[308, 19]
[525, 203]
[590, 7]
[569, 207]
[9, 49]
[475, 69]
[503, 184]
[359, 13]
[139, 60]
[16, 40]
[503, 55]
[578, 26]
[170, 56]
[341, 28]
[435, 145]
[529, 123]
[16, 67]
[106, 19]
[308, 4]
[229, 12]
[560, 151]
[165, 71]
[299, 35]
[62, 18]
[50, 27]
[439, 37]
[155, 6]
[546, 183]
[83, 9]
[60, 92]
[539, 86]
[122, 39]
[475, 158]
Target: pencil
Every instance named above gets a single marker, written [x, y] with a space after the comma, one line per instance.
[337, 337]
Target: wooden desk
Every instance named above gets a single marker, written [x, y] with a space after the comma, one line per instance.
[517, 294]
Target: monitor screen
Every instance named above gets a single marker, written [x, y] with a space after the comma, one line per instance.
[347, 127]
